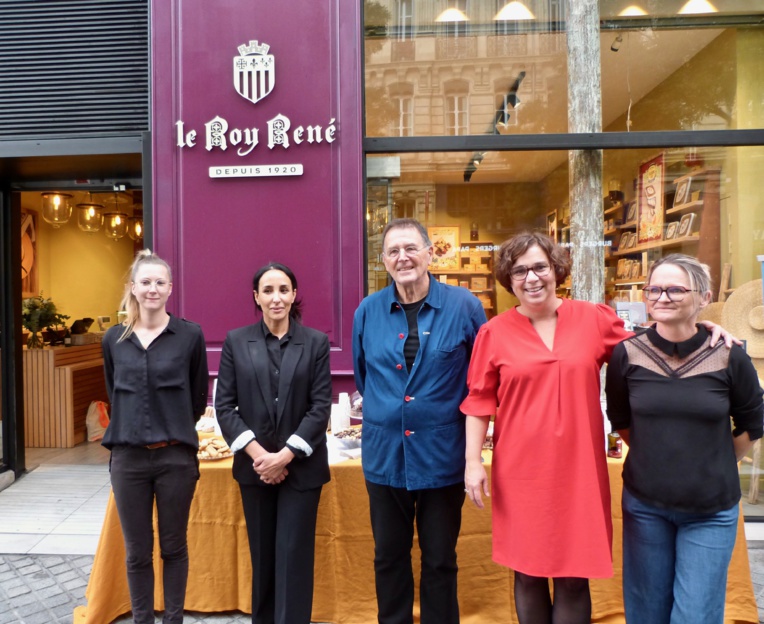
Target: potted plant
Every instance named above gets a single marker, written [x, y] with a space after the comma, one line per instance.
[39, 313]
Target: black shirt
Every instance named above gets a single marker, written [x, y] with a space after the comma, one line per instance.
[676, 400]
[411, 346]
[156, 394]
[276, 347]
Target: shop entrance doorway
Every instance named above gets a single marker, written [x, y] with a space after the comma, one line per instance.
[78, 267]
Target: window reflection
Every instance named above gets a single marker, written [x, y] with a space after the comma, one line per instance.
[662, 71]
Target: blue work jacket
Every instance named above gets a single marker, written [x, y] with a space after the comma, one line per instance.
[413, 431]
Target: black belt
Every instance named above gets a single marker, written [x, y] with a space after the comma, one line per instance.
[158, 445]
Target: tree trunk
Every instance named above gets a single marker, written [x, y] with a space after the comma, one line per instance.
[585, 166]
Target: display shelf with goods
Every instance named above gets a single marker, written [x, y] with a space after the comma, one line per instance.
[474, 271]
[691, 225]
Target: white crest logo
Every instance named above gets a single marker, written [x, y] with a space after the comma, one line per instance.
[254, 71]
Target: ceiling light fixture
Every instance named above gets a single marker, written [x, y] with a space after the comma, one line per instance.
[116, 225]
[514, 12]
[116, 220]
[135, 223]
[695, 7]
[633, 10]
[452, 14]
[56, 208]
[135, 228]
[89, 215]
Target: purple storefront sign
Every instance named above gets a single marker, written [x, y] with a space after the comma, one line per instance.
[257, 157]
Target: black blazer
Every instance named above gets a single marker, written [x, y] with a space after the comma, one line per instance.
[243, 401]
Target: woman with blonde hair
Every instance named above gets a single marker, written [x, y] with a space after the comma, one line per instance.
[156, 377]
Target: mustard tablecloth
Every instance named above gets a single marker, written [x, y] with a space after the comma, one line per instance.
[219, 575]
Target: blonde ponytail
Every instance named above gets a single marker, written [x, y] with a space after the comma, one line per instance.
[129, 303]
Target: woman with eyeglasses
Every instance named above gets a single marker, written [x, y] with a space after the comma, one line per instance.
[536, 367]
[671, 395]
[155, 367]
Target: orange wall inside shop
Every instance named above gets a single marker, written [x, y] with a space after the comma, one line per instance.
[82, 273]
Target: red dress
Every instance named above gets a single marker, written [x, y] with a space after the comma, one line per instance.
[550, 488]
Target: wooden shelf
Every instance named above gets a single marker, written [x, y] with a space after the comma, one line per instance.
[674, 242]
[682, 208]
[614, 209]
[461, 272]
[703, 241]
[698, 173]
[474, 253]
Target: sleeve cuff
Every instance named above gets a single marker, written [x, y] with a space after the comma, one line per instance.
[242, 440]
[296, 442]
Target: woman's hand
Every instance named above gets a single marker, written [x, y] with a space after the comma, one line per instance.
[475, 478]
[476, 482]
[717, 331]
[272, 466]
[256, 453]
[277, 480]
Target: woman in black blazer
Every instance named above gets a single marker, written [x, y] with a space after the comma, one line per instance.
[273, 400]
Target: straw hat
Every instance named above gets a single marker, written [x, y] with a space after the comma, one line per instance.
[712, 312]
[743, 316]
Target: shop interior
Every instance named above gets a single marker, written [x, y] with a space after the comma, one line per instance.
[81, 221]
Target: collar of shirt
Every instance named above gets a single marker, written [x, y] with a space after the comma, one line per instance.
[267, 332]
[433, 299]
[172, 328]
[680, 349]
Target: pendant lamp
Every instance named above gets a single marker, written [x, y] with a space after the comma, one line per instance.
[56, 208]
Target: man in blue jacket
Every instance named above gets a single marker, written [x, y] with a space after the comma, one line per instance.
[412, 343]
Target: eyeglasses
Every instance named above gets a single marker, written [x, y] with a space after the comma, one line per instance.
[521, 272]
[674, 293]
[408, 250]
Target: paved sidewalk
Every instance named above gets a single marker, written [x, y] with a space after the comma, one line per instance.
[45, 589]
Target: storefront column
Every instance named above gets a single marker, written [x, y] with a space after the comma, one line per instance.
[11, 384]
[585, 166]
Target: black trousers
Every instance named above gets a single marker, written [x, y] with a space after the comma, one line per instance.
[281, 526]
[438, 516]
[138, 476]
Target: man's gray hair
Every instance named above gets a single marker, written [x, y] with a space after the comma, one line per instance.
[399, 224]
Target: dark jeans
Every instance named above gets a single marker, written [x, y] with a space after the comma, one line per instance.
[138, 476]
[281, 526]
[438, 516]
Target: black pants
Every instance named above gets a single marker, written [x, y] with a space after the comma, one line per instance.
[138, 476]
[281, 526]
[438, 516]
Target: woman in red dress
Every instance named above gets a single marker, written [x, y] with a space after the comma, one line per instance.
[536, 367]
